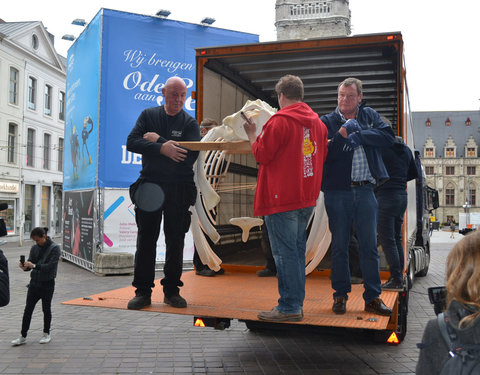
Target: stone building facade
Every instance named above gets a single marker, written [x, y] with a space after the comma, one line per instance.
[303, 19]
[448, 142]
[32, 121]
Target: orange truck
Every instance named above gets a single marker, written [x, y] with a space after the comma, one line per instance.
[227, 76]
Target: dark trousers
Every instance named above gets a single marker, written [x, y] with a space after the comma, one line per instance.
[34, 294]
[267, 250]
[178, 199]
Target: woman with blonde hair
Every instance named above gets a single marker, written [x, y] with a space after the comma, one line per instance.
[463, 306]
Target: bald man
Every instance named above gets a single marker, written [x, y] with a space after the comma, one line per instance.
[155, 136]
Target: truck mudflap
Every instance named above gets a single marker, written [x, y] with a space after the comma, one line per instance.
[240, 294]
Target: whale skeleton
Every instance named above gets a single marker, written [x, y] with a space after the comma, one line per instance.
[212, 166]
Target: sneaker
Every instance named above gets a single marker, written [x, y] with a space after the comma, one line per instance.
[277, 316]
[392, 284]
[20, 341]
[45, 339]
[266, 273]
[139, 302]
[175, 301]
[205, 272]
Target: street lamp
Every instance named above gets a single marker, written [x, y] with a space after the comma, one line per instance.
[207, 21]
[163, 13]
[69, 37]
[79, 22]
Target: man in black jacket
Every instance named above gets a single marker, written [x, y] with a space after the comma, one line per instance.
[4, 281]
[155, 136]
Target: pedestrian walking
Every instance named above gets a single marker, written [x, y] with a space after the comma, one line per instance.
[42, 263]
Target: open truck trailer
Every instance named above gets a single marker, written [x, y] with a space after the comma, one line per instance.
[228, 76]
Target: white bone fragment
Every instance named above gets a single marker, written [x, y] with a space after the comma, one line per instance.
[246, 223]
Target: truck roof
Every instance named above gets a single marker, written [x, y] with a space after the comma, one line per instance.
[321, 64]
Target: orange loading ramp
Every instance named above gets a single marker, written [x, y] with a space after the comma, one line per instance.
[240, 294]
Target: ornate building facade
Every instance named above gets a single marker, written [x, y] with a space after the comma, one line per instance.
[448, 142]
[32, 120]
[303, 19]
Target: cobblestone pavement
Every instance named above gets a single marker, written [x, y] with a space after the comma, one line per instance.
[103, 341]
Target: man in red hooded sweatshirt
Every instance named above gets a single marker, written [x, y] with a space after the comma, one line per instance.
[290, 150]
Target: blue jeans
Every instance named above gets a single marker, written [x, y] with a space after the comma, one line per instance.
[287, 232]
[343, 206]
[391, 208]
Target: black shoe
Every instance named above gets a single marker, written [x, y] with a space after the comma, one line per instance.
[356, 280]
[205, 272]
[139, 302]
[266, 272]
[175, 301]
[395, 285]
[339, 305]
[377, 306]
[221, 271]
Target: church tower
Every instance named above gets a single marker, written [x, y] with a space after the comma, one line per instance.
[303, 19]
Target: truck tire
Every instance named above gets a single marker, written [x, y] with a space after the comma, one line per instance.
[424, 272]
[411, 272]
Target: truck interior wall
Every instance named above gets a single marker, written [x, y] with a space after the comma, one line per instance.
[220, 90]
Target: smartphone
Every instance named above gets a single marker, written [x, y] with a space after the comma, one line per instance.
[245, 117]
[22, 259]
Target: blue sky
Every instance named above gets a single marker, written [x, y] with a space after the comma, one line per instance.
[441, 36]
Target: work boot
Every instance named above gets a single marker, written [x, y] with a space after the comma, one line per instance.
[377, 306]
[205, 272]
[139, 302]
[276, 316]
[266, 272]
[175, 301]
[395, 285]
[339, 305]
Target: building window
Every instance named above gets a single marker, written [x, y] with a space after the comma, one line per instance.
[12, 142]
[450, 197]
[32, 93]
[471, 171]
[429, 171]
[450, 152]
[429, 152]
[449, 171]
[471, 152]
[473, 197]
[45, 211]
[13, 93]
[30, 147]
[46, 151]
[34, 41]
[61, 105]
[48, 100]
[60, 154]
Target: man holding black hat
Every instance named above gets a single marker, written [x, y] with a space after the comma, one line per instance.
[164, 163]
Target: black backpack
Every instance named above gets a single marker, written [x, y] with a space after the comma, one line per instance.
[463, 359]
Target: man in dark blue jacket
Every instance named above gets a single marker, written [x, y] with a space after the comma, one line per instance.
[392, 203]
[353, 167]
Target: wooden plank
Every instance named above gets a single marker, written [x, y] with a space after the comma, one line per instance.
[234, 147]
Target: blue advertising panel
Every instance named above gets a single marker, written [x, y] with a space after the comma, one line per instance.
[81, 121]
[139, 53]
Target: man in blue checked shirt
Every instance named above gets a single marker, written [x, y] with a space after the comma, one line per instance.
[353, 167]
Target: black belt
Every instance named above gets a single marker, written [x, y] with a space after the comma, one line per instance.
[359, 183]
